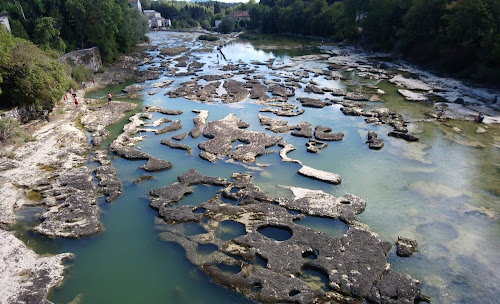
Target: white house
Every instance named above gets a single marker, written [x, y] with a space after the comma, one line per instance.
[136, 4]
[4, 20]
[155, 19]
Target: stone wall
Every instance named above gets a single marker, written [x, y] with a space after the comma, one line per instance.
[90, 58]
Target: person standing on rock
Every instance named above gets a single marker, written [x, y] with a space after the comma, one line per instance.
[109, 97]
[76, 102]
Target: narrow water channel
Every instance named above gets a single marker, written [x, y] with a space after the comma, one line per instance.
[442, 191]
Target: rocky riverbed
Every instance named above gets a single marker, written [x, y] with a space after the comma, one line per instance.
[234, 116]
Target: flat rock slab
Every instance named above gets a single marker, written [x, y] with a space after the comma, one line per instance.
[303, 129]
[324, 133]
[156, 165]
[313, 145]
[374, 142]
[256, 144]
[412, 96]
[222, 133]
[405, 136]
[321, 175]
[236, 91]
[200, 122]
[357, 96]
[176, 125]
[313, 103]
[283, 112]
[319, 203]
[74, 212]
[176, 145]
[109, 184]
[162, 110]
[410, 83]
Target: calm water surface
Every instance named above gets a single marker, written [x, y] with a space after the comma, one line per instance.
[442, 191]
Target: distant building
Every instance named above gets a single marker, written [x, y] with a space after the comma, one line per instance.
[4, 20]
[241, 15]
[136, 4]
[155, 20]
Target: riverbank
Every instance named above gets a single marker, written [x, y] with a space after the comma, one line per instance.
[50, 172]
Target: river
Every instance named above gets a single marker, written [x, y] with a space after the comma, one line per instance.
[442, 191]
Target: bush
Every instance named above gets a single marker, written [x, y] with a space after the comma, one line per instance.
[227, 25]
[81, 73]
[208, 37]
[10, 131]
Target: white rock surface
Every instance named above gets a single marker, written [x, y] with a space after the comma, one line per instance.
[412, 96]
[320, 175]
[26, 277]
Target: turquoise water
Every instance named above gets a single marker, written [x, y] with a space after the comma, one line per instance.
[439, 191]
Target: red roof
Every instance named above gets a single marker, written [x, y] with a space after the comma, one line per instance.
[241, 14]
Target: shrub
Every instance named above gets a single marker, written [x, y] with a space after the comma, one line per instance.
[81, 73]
[208, 37]
[9, 128]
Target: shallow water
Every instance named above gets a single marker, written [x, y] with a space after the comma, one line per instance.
[442, 191]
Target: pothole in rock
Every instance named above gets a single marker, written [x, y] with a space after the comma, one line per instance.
[275, 232]
[310, 254]
[228, 230]
[259, 261]
[228, 269]
[206, 249]
[315, 278]
[199, 210]
[228, 200]
[333, 227]
[193, 229]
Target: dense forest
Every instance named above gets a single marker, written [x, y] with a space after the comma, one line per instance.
[43, 30]
[454, 36]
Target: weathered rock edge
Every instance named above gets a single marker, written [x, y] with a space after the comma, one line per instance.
[25, 277]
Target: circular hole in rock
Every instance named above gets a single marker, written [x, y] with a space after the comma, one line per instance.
[206, 249]
[276, 233]
[193, 229]
[310, 254]
[200, 210]
[259, 261]
[315, 278]
[257, 286]
[293, 212]
[345, 202]
[229, 269]
[234, 190]
[229, 230]
[294, 292]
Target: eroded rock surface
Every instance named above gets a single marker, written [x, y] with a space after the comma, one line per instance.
[303, 129]
[374, 142]
[26, 277]
[321, 175]
[199, 123]
[313, 145]
[313, 103]
[155, 165]
[222, 133]
[176, 145]
[355, 264]
[406, 247]
[324, 133]
[73, 210]
[256, 144]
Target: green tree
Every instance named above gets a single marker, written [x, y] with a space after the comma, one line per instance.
[47, 36]
[30, 78]
[227, 25]
[6, 44]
